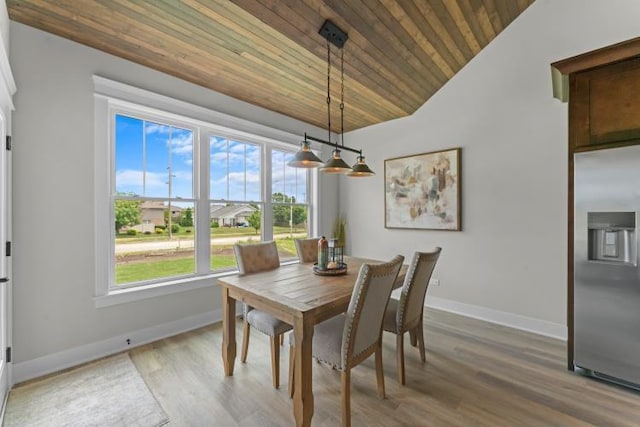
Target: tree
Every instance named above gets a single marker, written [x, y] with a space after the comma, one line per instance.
[127, 213]
[299, 215]
[254, 220]
[186, 219]
[287, 215]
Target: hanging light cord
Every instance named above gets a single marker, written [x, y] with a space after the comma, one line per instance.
[329, 88]
[342, 95]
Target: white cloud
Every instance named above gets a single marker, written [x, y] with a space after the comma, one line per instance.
[183, 144]
[130, 177]
[219, 157]
[152, 128]
[240, 177]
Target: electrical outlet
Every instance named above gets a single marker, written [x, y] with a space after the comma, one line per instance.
[434, 282]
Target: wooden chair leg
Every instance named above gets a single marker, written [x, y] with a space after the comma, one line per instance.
[245, 341]
[413, 337]
[420, 334]
[346, 398]
[292, 366]
[400, 357]
[275, 360]
[379, 371]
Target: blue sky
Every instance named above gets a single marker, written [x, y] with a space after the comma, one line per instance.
[234, 173]
[164, 146]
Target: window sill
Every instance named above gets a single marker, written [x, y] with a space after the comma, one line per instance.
[124, 296]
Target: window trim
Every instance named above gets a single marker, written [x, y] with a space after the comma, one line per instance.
[111, 96]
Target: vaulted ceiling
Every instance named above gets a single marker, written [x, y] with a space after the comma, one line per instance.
[269, 52]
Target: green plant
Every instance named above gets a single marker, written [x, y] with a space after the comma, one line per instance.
[127, 212]
[159, 230]
[186, 218]
[215, 224]
[339, 225]
[160, 227]
[131, 232]
[254, 220]
[175, 228]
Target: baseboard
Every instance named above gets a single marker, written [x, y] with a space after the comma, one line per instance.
[4, 407]
[529, 324]
[65, 359]
[44, 365]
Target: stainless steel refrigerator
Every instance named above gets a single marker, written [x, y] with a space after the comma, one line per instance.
[607, 277]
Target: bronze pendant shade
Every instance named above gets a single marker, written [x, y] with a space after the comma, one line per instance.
[305, 158]
[360, 169]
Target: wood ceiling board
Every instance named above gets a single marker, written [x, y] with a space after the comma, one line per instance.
[435, 31]
[389, 49]
[269, 52]
[494, 16]
[311, 64]
[365, 67]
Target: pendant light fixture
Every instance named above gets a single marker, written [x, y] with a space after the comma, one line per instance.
[305, 157]
[360, 169]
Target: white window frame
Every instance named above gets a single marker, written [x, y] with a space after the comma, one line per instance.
[111, 97]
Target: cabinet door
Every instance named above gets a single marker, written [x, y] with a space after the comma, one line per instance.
[604, 106]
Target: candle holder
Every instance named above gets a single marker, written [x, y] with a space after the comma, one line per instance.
[334, 264]
[336, 254]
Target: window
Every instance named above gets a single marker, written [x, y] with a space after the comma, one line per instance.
[153, 201]
[182, 190]
[235, 198]
[289, 203]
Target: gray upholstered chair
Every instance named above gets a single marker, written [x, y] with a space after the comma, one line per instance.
[254, 258]
[307, 249]
[347, 340]
[405, 314]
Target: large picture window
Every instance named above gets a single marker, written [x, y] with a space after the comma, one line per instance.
[153, 201]
[181, 192]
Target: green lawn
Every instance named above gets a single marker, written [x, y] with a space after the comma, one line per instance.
[167, 267]
[127, 273]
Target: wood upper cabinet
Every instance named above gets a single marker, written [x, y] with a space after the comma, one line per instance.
[604, 106]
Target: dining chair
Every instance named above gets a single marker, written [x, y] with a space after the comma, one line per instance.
[406, 314]
[307, 249]
[254, 258]
[347, 340]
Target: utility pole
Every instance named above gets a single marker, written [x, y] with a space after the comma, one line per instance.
[170, 213]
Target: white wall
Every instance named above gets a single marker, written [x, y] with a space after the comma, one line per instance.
[55, 318]
[509, 263]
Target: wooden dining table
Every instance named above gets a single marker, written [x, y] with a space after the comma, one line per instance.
[295, 295]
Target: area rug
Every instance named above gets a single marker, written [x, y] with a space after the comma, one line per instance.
[109, 392]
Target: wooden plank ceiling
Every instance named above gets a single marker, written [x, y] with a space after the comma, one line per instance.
[269, 52]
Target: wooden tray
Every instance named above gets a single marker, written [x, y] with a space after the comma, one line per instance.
[342, 269]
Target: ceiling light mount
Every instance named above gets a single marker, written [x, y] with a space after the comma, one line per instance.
[333, 34]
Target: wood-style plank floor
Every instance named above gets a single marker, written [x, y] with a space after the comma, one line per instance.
[477, 374]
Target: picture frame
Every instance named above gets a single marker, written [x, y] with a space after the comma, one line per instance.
[423, 191]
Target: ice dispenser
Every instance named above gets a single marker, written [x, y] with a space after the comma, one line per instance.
[612, 237]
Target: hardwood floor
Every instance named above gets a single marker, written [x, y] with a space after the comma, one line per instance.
[476, 373]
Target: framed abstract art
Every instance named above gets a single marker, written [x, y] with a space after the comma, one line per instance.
[422, 191]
